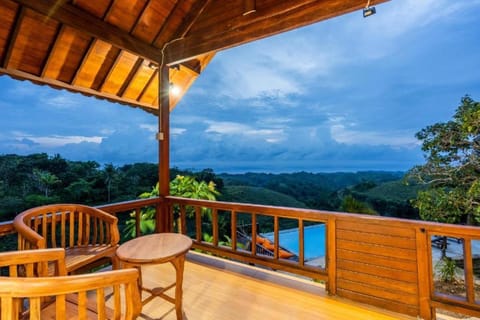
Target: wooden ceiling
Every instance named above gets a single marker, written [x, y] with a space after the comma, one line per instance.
[112, 49]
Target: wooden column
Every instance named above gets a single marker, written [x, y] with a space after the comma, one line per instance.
[164, 223]
[424, 274]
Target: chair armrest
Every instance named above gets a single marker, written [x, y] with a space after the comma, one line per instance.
[38, 257]
[57, 287]
[26, 234]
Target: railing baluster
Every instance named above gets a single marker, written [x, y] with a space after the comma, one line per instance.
[301, 244]
[183, 220]
[215, 226]
[198, 223]
[254, 234]
[468, 269]
[276, 238]
[233, 228]
[138, 217]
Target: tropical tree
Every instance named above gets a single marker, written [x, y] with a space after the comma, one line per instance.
[452, 168]
[45, 180]
[352, 205]
[181, 186]
[110, 176]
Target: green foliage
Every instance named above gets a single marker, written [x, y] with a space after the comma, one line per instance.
[452, 168]
[60, 180]
[181, 186]
[445, 268]
[392, 198]
[45, 179]
[258, 195]
[87, 182]
[350, 204]
[440, 205]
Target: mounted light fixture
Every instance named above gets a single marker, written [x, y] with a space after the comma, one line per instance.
[369, 10]
[152, 65]
[249, 7]
[174, 90]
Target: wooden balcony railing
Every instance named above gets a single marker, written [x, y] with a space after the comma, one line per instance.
[386, 262]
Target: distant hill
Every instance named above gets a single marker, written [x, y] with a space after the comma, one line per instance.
[392, 198]
[328, 181]
[316, 190]
[258, 195]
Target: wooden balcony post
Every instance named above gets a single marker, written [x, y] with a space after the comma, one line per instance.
[163, 217]
[424, 262]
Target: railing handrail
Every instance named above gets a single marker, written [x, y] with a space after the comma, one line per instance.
[423, 233]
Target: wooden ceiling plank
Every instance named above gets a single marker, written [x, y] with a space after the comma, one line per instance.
[85, 22]
[264, 11]
[193, 67]
[109, 10]
[130, 77]
[190, 47]
[145, 88]
[12, 37]
[106, 67]
[187, 22]
[140, 16]
[118, 57]
[55, 43]
[87, 91]
[84, 60]
[115, 63]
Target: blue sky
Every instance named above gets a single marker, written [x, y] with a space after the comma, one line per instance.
[345, 94]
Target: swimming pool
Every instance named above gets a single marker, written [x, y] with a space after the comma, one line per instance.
[314, 240]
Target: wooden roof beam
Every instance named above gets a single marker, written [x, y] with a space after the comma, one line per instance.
[195, 11]
[12, 37]
[84, 22]
[87, 91]
[271, 21]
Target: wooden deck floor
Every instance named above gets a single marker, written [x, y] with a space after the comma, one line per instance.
[230, 291]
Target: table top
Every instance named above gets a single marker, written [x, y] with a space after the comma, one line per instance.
[154, 248]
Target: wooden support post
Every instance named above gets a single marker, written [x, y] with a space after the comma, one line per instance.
[424, 271]
[331, 261]
[164, 223]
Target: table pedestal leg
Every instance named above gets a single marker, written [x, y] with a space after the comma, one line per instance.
[178, 264]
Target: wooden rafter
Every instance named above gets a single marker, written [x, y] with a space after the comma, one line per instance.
[61, 29]
[279, 17]
[12, 37]
[87, 91]
[97, 28]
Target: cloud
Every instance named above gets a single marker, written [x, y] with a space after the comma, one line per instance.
[271, 135]
[177, 131]
[56, 140]
[149, 127]
[61, 100]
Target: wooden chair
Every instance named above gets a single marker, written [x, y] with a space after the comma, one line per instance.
[29, 294]
[89, 236]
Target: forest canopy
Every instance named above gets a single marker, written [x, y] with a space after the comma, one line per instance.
[37, 179]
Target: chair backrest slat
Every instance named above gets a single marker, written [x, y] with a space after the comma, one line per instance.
[62, 296]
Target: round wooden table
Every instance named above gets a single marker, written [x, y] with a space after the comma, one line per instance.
[154, 249]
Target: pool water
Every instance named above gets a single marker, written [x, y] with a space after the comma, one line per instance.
[314, 240]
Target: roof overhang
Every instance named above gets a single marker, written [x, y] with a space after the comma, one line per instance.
[112, 49]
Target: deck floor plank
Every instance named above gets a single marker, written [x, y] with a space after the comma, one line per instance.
[214, 291]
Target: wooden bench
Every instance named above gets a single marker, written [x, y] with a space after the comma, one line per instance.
[89, 236]
[27, 293]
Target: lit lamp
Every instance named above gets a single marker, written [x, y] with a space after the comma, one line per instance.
[369, 10]
[174, 90]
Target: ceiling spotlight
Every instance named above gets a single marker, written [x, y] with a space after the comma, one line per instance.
[369, 10]
[152, 66]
